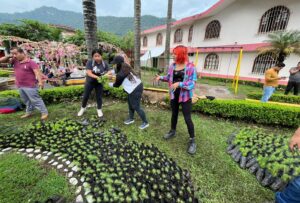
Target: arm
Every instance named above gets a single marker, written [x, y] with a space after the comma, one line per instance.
[294, 71]
[190, 83]
[119, 79]
[89, 68]
[295, 141]
[38, 75]
[269, 77]
[165, 78]
[5, 59]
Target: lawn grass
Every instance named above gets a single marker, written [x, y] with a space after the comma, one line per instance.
[26, 180]
[214, 173]
[243, 90]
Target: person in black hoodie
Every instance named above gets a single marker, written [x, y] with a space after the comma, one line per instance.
[133, 86]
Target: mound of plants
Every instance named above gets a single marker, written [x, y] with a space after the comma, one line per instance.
[265, 155]
[114, 169]
[277, 98]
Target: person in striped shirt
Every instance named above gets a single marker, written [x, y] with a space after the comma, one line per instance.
[181, 78]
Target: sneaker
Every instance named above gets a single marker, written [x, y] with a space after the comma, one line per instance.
[128, 121]
[100, 113]
[192, 146]
[170, 134]
[81, 112]
[144, 126]
[44, 117]
[27, 115]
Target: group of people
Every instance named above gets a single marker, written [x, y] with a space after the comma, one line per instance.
[181, 78]
[272, 80]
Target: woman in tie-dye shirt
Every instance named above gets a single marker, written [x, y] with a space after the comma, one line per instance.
[181, 77]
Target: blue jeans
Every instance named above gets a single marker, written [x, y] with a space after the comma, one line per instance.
[32, 100]
[291, 194]
[268, 91]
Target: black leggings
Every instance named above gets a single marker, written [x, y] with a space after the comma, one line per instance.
[134, 103]
[89, 86]
[186, 110]
[290, 86]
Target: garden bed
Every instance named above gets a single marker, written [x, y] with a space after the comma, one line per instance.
[267, 156]
[112, 168]
[291, 99]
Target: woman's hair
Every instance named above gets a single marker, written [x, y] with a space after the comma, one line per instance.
[181, 53]
[127, 70]
[97, 51]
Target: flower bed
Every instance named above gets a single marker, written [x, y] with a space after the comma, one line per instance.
[265, 155]
[277, 98]
[114, 169]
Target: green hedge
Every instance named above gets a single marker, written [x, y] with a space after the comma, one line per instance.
[263, 113]
[61, 94]
[251, 111]
[4, 73]
[277, 98]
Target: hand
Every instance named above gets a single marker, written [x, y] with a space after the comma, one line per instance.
[295, 140]
[41, 85]
[175, 86]
[157, 78]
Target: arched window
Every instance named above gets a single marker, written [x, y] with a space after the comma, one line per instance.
[178, 36]
[213, 30]
[263, 62]
[159, 39]
[145, 41]
[191, 31]
[274, 19]
[211, 62]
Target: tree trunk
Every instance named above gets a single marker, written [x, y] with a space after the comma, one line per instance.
[137, 36]
[90, 25]
[168, 33]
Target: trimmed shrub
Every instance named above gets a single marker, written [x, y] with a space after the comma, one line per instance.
[250, 111]
[61, 94]
[277, 98]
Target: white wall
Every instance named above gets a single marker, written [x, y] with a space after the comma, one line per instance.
[239, 23]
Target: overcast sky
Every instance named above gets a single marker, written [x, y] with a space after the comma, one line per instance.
[181, 8]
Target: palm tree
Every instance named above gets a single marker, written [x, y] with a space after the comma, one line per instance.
[90, 25]
[283, 44]
[137, 36]
[168, 32]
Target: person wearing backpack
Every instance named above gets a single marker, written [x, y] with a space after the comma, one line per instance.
[95, 68]
[133, 86]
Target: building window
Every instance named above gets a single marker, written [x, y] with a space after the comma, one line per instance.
[263, 62]
[191, 31]
[178, 36]
[159, 39]
[145, 41]
[213, 30]
[275, 19]
[211, 62]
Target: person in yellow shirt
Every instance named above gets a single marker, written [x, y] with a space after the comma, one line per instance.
[271, 81]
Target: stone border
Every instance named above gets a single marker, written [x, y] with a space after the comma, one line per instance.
[63, 166]
[263, 176]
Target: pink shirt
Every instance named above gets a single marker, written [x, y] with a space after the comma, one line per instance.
[25, 76]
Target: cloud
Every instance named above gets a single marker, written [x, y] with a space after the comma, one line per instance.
[181, 8]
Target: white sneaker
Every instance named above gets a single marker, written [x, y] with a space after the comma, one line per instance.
[81, 112]
[100, 113]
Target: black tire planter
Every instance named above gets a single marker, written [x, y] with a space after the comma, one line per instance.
[250, 163]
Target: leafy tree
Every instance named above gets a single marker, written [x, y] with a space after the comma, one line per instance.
[283, 44]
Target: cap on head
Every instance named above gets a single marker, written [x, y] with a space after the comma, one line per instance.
[118, 60]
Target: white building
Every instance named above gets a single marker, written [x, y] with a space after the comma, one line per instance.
[220, 32]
